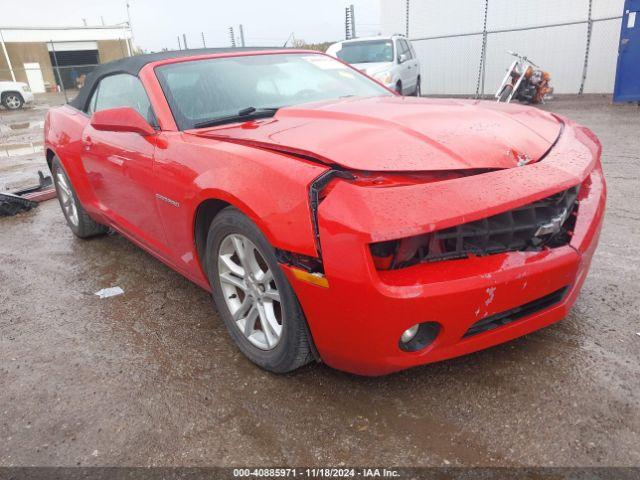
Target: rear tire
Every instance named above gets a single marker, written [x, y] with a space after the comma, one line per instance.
[505, 93]
[79, 221]
[245, 277]
[12, 100]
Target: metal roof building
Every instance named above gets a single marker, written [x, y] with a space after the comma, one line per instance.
[50, 57]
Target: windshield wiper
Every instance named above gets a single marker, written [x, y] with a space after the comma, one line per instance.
[249, 113]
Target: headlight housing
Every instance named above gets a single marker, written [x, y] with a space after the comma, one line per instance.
[383, 77]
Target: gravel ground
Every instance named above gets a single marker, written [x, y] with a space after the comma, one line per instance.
[151, 377]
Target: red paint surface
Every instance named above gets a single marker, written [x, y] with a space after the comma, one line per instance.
[256, 166]
[404, 133]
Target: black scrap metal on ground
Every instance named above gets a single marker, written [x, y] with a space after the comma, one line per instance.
[14, 203]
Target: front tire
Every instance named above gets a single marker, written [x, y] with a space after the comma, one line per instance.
[12, 100]
[399, 87]
[79, 221]
[253, 296]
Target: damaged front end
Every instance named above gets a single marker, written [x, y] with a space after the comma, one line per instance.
[473, 258]
[546, 223]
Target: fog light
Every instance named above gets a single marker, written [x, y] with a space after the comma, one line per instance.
[419, 336]
[409, 333]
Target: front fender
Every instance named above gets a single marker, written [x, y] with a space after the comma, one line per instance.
[271, 188]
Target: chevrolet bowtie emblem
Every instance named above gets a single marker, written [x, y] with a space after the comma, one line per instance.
[523, 159]
[554, 225]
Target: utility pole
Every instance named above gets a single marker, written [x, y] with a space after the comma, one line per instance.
[129, 22]
[184, 41]
[204, 44]
[241, 36]
[349, 22]
[353, 22]
[179, 44]
[232, 37]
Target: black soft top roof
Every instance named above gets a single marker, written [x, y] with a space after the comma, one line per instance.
[133, 65]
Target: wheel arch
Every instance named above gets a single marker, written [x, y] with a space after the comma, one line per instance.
[209, 205]
[205, 212]
[7, 92]
[49, 154]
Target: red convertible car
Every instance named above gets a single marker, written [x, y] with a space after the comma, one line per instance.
[331, 218]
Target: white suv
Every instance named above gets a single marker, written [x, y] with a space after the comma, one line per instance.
[13, 95]
[390, 60]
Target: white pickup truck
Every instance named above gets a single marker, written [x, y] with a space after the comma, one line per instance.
[14, 95]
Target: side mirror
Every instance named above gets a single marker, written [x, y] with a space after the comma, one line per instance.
[403, 57]
[122, 119]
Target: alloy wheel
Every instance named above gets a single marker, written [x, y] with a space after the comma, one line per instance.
[250, 291]
[13, 102]
[67, 200]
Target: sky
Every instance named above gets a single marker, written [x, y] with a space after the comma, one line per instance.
[157, 23]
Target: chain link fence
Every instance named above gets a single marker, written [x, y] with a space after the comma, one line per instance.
[462, 46]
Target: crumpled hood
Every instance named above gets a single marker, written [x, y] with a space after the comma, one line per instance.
[393, 133]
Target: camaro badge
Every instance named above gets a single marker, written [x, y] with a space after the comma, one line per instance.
[168, 200]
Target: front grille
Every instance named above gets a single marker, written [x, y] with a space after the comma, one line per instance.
[504, 318]
[547, 222]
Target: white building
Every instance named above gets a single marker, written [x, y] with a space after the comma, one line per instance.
[557, 42]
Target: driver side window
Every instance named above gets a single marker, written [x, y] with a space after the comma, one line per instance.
[122, 90]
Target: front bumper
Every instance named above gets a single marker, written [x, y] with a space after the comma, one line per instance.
[356, 322]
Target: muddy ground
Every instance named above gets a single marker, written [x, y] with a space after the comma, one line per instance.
[152, 378]
[21, 143]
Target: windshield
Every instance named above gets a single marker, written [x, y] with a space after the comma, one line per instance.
[201, 91]
[371, 51]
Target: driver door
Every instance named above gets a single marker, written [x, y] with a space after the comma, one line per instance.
[119, 165]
